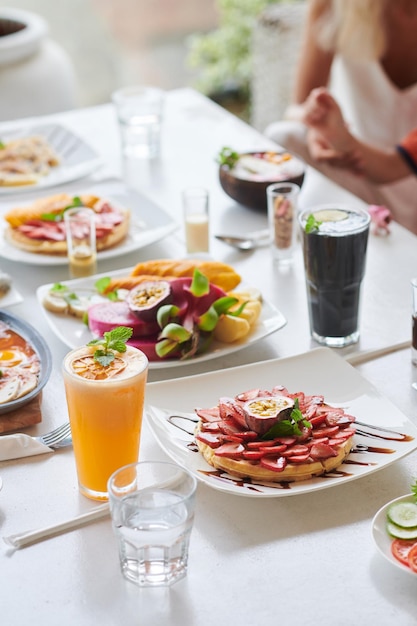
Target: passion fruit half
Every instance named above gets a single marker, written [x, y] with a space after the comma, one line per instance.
[145, 299]
[262, 413]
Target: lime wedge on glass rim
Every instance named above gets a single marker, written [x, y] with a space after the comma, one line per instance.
[330, 215]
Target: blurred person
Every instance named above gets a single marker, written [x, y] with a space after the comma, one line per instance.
[365, 52]
[330, 140]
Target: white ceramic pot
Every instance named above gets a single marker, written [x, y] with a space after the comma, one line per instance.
[36, 74]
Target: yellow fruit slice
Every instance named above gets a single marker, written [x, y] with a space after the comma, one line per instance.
[252, 311]
[230, 329]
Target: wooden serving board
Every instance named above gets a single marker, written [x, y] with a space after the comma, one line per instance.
[27, 415]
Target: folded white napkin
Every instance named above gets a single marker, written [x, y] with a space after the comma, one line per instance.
[19, 445]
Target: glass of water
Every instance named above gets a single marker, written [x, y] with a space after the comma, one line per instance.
[139, 111]
[152, 506]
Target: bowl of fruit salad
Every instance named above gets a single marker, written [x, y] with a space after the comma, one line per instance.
[245, 176]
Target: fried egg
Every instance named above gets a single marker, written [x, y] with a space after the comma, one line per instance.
[10, 357]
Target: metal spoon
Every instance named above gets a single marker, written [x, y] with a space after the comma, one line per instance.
[250, 242]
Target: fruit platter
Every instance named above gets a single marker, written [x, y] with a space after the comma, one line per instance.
[179, 310]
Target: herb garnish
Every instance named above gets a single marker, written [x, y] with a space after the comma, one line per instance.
[290, 426]
[101, 285]
[111, 342]
[228, 157]
[312, 224]
[58, 215]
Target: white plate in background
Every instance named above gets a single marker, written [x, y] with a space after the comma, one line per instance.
[320, 372]
[77, 158]
[381, 537]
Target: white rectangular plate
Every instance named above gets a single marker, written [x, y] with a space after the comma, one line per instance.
[148, 224]
[74, 333]
[77, 158]
[321, 372]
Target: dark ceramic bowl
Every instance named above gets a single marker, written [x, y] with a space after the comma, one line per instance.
[250, 189]
[40, 346]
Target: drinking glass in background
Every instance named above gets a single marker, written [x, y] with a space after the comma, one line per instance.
[334, 243]
[140, 113]
[196, 219]
[81, 241]
[282, 217]
[152, 507]
[105, 407]
[414, 320]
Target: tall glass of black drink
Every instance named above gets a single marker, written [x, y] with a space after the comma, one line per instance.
[334, 247]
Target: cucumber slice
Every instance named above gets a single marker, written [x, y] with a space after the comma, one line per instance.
[401, 533]
[403, 514]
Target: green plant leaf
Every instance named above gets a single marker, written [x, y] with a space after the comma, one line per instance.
[228, 157]
[312, 224]
[112, 341]
[102, 283]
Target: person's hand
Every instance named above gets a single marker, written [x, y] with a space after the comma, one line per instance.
[324, 152]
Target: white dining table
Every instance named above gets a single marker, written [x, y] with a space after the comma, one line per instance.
[308, 559]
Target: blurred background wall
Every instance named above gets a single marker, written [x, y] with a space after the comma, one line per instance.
[117, 42]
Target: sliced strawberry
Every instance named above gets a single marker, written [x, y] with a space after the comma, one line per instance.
[269, 443]
[209, 415]
[287, 440]
[299, 458]
[248, 395]
[228, 427]
[210, 439]
[313, 442]
[246, 435]
[345, 433]
[296, 450]
[317, 420]
[210, 427]
[322, 451]
[231, 450]
[274, 450]
[253, 455]
[328, 431]
[276, 465]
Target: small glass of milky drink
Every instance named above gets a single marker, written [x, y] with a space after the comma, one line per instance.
[105, 390]
[196, 219]
[152, 507]
[81, 241]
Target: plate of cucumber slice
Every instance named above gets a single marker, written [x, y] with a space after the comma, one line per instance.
[394, 529]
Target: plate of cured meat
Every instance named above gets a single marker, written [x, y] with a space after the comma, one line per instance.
[34, 232]
[339, 421]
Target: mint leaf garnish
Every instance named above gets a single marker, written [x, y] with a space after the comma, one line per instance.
[111, 342]
[312, 224]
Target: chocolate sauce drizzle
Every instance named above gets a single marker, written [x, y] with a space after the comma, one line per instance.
[376, 432]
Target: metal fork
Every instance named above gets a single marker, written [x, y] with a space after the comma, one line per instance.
[57, 438]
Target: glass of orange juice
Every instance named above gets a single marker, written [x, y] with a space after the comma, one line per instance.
[105, 406]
